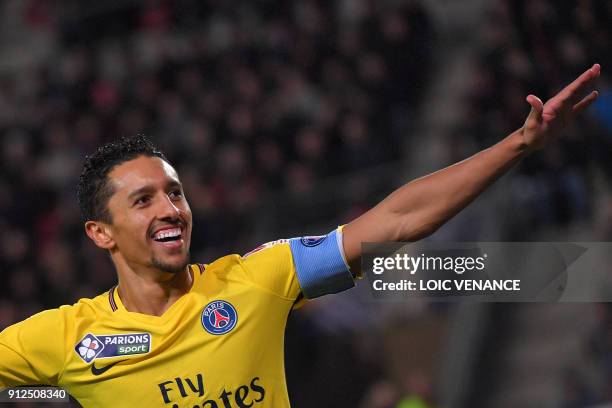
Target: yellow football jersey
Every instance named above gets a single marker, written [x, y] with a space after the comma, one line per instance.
[220, 345]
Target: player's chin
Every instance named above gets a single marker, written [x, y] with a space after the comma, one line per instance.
[171, 264]
[173, 257]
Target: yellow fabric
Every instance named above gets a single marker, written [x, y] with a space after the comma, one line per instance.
[186, 366]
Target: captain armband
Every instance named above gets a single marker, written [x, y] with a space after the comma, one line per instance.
[320, 264]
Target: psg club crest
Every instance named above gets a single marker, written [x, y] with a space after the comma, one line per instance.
[219, 317]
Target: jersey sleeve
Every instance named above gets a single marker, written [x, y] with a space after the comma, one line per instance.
[301, 267]
[32, 351]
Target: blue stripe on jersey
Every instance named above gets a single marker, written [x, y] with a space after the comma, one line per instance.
[319, 265]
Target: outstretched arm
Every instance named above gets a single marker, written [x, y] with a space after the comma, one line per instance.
[418, 208]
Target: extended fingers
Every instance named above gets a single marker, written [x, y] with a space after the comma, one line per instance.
[585, 102]
[573, 91]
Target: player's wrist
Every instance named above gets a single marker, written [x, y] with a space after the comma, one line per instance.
[520, 144]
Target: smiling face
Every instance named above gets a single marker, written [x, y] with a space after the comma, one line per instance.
[151, 219]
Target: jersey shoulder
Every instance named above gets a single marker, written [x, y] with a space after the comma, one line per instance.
[268, 267]
[83, 308]
[35, 350]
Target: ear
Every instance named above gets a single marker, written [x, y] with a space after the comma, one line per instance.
[100, 234]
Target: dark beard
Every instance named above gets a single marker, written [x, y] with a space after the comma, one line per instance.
[169, 267]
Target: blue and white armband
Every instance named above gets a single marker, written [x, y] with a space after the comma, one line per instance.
[320, 264]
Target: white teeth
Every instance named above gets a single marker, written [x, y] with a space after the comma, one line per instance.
[175, 232]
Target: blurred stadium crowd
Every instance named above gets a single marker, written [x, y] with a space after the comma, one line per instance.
[587, 380]
[537, 47]
[253, 97]
[245, 98]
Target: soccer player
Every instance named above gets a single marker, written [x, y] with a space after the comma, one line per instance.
[177, 334]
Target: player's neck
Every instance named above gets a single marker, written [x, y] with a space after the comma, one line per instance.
[152, 295]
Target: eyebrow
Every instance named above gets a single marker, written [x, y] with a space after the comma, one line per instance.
[149, 188]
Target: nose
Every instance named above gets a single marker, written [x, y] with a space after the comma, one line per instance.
[167, 209]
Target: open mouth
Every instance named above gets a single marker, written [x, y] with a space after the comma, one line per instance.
[168, 236]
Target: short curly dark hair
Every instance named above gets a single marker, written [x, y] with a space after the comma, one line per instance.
[94, 190]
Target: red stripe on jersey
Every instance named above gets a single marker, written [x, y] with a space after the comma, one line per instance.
[111, 299]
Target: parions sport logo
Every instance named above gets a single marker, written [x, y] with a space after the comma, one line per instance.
[219, 317]
[97, 346]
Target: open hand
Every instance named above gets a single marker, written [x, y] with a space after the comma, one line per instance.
[547, 119]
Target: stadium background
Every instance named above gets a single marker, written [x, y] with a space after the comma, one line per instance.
[288, 118]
